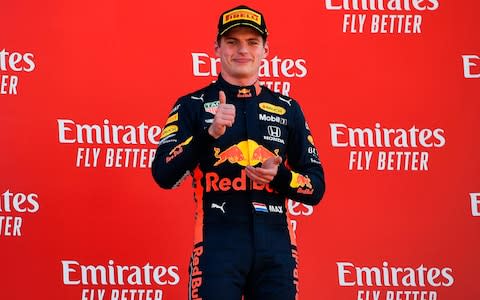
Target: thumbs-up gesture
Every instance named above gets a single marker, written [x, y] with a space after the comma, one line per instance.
[224, 117]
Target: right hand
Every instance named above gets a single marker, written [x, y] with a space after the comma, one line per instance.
[266, 172]
[224, 117]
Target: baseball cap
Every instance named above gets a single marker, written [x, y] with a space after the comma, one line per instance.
[242, 16]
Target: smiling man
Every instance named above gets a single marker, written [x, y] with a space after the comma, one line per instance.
[249, 150]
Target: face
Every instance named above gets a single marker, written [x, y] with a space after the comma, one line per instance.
[241, 51]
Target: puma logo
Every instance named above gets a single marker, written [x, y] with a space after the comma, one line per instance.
[215, 205]
[197, 98]
[285, 100]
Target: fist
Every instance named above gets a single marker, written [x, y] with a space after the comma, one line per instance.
[224, 117]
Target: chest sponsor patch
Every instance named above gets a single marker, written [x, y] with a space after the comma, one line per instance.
[260, 207]
[276, 209]
[274, 134]
[272, 108]
[211, 107]
[273, 119]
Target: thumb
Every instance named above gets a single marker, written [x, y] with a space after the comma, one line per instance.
[277, 160]
[221, 97]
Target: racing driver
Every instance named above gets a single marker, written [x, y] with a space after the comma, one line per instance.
[248, 149]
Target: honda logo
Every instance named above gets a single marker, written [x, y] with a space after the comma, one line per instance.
[274, 131]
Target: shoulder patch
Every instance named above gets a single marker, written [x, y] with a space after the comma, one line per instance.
[172, 118]
[169, 130]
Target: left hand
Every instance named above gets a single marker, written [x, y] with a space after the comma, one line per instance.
[266, 172]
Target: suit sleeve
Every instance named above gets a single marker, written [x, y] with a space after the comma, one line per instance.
[182, 138]
[303, 179]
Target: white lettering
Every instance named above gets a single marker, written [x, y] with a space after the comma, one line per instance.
[393, 5]
[67, 270]
[113, 274]
[299, 209]
[17, 202]
[385, 137]
[8, 85]
[342, 272]
[107, 133]
[468, 64]
[335, 133]
[203, 65]
[389, 276]
[197, 62]
[475, 202]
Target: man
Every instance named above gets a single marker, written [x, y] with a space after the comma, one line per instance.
[248, 149]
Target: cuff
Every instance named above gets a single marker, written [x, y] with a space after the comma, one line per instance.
[282, 179]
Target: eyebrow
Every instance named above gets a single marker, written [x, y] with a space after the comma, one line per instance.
[249, 39]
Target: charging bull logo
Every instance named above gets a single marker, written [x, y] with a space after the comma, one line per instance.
[300, 181]
[262, 154]
[233, 154]
[244, 93]
[245, 153]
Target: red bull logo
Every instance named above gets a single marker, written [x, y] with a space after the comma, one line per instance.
[262, 154]
[245, 153]
[196, 273]
[215, 183]
[244, 93]
[177, 150]
[300, 181]
[233, 154]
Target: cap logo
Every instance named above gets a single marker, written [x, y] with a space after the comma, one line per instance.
[242, 14]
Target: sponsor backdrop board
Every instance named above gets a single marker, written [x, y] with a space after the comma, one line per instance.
[390, 90]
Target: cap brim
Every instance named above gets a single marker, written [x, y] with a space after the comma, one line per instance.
[243, 24]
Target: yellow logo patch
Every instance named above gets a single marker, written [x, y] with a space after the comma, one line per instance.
[169, 130]
[310, 139]
[172, 118]
[272, 108]
[242, 14]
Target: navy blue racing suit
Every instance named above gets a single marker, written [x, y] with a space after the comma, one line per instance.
[244, 243]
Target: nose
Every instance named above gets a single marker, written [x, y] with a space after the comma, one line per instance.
[242, 47]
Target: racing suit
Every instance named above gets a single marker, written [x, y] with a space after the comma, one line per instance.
[243, 240]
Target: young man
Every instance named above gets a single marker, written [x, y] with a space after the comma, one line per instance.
[249, 150]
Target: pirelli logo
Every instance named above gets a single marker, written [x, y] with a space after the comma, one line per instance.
[242, 14]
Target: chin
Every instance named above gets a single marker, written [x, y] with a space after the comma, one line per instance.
[244, 73]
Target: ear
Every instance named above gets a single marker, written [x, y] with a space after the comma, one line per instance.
[266, 49]
[216, 47]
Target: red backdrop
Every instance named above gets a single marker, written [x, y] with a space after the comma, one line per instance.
[86, 87]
